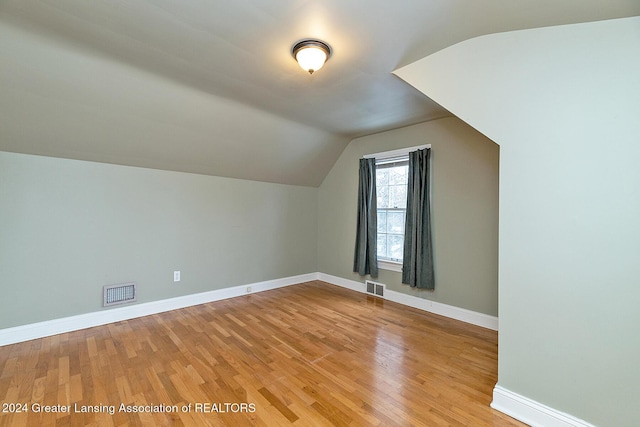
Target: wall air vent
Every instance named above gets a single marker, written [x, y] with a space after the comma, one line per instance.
[371, 287]
[119, 294]
[374, 288]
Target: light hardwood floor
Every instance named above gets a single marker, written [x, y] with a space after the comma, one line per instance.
[310, 355]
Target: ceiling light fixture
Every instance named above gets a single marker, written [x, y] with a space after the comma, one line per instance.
[311, 54]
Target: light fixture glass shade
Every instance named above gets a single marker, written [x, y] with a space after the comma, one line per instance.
[311, 54]
[311, 58]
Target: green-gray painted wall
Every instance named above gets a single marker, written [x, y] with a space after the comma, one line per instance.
[563, 103]
[68, 227]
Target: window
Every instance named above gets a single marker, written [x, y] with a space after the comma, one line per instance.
[391, 190]
[392, 171]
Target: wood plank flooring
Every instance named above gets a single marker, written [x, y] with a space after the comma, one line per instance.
[306, 355]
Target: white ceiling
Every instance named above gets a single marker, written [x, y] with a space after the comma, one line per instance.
[210, 86]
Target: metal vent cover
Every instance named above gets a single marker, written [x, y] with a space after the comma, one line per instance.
[370, 287]
[119, 294]
[374, 288]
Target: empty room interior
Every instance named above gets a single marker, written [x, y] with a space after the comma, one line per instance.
[435, 223]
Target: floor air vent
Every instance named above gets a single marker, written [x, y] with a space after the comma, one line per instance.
[374, 288]
[119, 294]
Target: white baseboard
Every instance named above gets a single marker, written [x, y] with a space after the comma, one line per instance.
[531, 412]
[98, 318]
[464, 315]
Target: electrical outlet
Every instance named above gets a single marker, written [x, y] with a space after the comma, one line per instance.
[248, 289]
[176, 276]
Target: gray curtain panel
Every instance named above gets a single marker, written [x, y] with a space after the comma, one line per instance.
[417, 263]
[365, 259]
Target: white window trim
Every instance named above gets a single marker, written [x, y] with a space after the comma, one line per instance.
[385, 155]
[390, 265]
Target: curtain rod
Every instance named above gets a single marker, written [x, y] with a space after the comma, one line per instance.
[396, 153]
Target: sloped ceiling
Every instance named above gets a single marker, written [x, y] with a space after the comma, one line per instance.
[210, 86]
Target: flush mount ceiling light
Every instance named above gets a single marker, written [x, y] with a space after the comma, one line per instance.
[311, 54]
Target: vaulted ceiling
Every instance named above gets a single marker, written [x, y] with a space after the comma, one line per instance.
[210, 86]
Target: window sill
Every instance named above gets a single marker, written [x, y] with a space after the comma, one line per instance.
[390, 265]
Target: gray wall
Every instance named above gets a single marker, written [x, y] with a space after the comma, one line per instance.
[562, 102]
[465, 212]
[570, 234]
[69, 227]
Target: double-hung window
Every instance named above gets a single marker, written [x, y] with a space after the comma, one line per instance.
[392, 171]
[391, 190]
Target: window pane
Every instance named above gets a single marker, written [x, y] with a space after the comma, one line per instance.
[382, 245]
[382, 194]
[395, 222]
[382, 221]
[398, 196]
[396, 246]
[398, 175]
[391, 188]
[382, 177]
